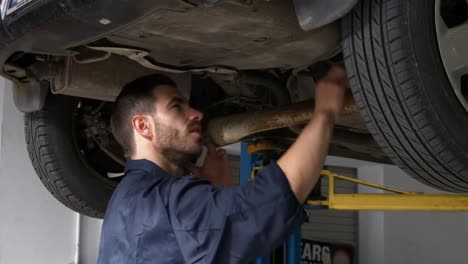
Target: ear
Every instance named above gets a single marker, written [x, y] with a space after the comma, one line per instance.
[141, 124]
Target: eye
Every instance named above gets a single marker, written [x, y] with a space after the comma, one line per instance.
[177, 106]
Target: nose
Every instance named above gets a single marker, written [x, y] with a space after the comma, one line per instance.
[195, 114]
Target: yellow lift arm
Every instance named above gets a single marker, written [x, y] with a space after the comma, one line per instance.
[398, 200]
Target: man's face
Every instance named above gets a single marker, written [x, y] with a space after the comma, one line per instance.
[177, 126]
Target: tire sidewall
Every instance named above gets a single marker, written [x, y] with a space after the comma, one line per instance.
[86, 191]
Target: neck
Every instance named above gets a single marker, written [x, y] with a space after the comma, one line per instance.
[163, 162]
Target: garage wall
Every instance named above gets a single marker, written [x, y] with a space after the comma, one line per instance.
[234, 163]
[371, 223]
[2, 85]
[423, 237]
[34, 227]
[411, 237]
[339, 227]
[89, 236]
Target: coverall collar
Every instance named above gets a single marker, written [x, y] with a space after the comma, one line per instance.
[144, 165]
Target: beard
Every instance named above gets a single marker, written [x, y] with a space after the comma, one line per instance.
[175, 145]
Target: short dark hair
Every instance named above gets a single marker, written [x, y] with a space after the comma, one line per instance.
[136, 98]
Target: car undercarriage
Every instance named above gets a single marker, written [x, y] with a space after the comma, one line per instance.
[250, 65]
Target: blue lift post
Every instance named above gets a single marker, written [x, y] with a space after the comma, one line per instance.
[293, 243]
[293, 247]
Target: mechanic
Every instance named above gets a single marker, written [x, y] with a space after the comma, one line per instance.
[157, 215]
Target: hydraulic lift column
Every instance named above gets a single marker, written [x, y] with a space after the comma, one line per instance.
[252, 158]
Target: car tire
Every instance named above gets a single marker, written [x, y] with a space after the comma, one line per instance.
[57, 159]
[400, 86]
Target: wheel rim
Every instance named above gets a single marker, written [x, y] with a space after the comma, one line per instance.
[452, 40]
[97, 161]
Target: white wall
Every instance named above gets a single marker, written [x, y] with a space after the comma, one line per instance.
[90, 233]
[2, 92]
[410, 237]
[423, 237]
[34, 227]
[371, 224]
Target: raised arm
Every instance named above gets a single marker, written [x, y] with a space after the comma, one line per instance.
[304, 159]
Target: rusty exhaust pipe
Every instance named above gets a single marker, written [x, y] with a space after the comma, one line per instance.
[231, 129]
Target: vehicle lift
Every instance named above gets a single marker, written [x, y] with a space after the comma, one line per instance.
[254, 155]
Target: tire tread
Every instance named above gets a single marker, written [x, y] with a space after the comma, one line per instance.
[378, 61]
[46, 165]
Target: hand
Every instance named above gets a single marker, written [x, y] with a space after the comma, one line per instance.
[215, 168]
[330, 92]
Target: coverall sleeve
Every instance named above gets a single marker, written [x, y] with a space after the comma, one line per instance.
[233, 225]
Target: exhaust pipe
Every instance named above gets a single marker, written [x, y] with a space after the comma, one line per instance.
[231, 129]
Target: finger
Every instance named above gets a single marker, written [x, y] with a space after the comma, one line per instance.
[211, 149]
[192, 168]
[221, 152]
[227, 176]
[337, 74]
[227, 180]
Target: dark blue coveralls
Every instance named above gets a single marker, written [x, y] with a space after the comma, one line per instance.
[154, 217]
